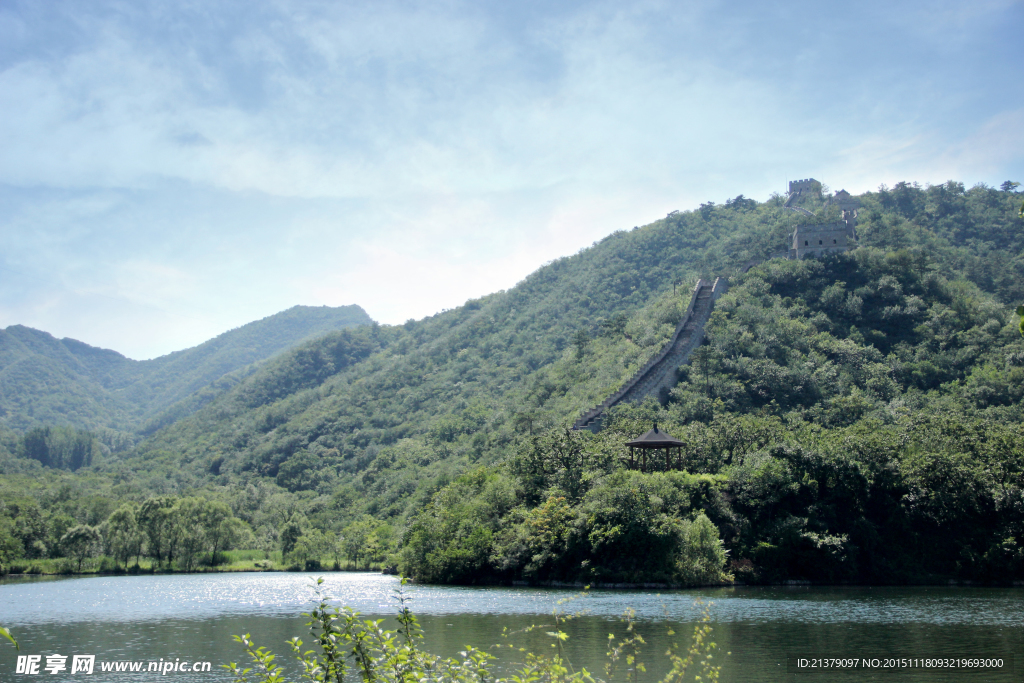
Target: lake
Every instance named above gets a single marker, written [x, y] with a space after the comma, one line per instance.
[189, 618]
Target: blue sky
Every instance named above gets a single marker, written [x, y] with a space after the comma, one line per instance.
[171, 170]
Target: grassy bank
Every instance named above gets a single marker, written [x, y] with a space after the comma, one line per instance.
[230, 561]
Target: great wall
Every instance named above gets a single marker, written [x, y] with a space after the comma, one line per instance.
[660, 373]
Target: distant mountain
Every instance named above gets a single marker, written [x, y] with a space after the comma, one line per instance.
[45, 380]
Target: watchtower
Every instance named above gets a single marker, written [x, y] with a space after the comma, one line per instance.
[823, 238]
[807, 186]
[848, 204]
[818, 240]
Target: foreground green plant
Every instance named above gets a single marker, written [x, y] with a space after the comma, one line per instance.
[7, 634]
[348, 647]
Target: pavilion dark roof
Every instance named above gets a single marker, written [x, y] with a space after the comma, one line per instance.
[655, 439]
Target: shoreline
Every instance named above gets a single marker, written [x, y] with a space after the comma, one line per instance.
[597, 585]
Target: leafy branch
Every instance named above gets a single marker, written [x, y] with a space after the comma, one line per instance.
[380, 655]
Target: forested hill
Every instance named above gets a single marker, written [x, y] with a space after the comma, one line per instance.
[385, 414]
[49, 381]
[854, 417]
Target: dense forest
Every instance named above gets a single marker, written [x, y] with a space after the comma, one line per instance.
[850, 418]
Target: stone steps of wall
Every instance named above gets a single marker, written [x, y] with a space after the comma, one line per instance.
[660, 370]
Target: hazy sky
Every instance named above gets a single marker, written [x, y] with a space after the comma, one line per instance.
[171, 170]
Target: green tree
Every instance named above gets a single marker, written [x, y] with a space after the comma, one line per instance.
[357, 536]
[189, 521]
[557, 457]
[703, 555]
[615, 326]
[10, 544]
[123, 533]
[223, 529]
[580, 342]
[155, 521]
[310, 548]
[630, 534]
[381, 542]
[31, 526]
[59, 524]
[524, 420]
[60, 447]
[81, 542]
[292, 530]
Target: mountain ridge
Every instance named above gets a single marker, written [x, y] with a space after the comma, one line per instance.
[122, 393]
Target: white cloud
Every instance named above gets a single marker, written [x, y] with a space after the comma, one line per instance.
[173, 170]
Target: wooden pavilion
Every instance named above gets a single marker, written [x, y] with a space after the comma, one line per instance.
[656, 440]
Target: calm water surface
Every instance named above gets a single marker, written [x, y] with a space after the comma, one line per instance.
[192, 617]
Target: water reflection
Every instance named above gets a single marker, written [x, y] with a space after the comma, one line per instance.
[193, 616]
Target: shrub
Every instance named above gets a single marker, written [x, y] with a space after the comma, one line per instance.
[703, 556]
[377, 655]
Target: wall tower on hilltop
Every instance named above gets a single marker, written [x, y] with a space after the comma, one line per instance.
[823, 238]
[826, 238]
[848, 203]
[806, 187]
